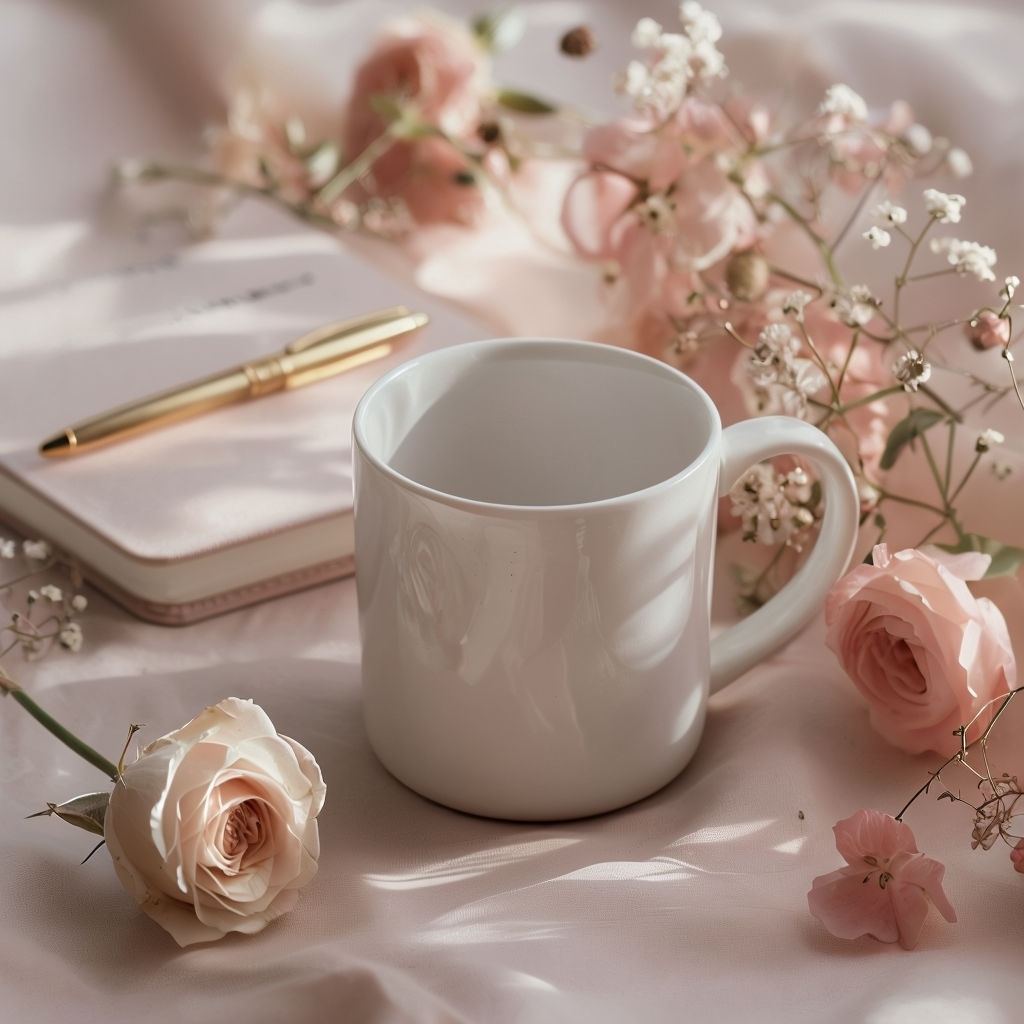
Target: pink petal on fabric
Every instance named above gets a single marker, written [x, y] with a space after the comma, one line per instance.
[850, 907]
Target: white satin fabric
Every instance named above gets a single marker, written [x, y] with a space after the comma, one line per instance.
[687, 906]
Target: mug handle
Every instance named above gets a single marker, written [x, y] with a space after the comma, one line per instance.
[778, 620]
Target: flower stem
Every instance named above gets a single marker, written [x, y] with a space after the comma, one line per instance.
[354, 171]
[69, 739]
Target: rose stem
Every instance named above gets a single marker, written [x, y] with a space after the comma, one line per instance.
[69, 739]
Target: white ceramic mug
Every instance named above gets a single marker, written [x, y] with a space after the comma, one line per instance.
[535, 529]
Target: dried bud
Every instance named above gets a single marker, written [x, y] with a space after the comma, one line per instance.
[578, 42]
[987, 330]
[746, 276]
[489, 132]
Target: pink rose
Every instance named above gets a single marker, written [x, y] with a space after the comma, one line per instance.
[435, 69]
[887, 884]
[213, 829]
[923, 650]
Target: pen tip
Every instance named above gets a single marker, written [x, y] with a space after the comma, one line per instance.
[59, 445]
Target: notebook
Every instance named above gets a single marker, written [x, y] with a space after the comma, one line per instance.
[238, 505]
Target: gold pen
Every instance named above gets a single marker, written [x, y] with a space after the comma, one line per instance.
[321, 353]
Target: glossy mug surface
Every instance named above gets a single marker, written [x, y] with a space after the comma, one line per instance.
[535, 530]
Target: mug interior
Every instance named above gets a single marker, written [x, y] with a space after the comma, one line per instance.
[535, 422]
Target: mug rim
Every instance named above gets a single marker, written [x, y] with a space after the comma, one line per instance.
[485, 346]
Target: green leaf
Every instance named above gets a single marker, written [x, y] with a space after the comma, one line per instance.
[86, 812]
[905, 431]
[1006, 559]
[524, 103]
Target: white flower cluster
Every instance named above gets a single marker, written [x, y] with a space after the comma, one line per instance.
[783, 381]
[844, 103]
[678, 59]
[912, 370]
[774, 507]
[855, 307]
[943, 208]
[58, 624]
[967, 257]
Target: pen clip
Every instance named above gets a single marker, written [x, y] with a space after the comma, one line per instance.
[342, 327]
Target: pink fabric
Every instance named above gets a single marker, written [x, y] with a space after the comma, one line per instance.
[690, 904]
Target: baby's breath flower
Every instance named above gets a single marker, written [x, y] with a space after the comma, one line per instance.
[959, 163]
[701, 25]
[646, 33]
[704, 30]
[633, 79]
[888, 210]
[988, 439]
[1010, 286]
[658, 90]
[794, 303]
[919, 139]
[773, 507]
[782, 381]
[943, 206]
[912, 370]
[8, 549]
[967, 257]
[37, 550]
[707, 62]
[51, 593]
[79, 603]
[878, 237]
[868, 494]
[843, 101]
[857, 307]
[70, 636]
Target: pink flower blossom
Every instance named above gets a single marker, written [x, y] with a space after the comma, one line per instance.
[922, 649]
[887, 884]
[435, 70]
[657, 204]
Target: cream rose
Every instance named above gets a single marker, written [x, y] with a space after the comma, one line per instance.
[923, 650]
[213, 829]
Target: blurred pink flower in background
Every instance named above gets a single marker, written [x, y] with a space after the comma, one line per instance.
[433, 73]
